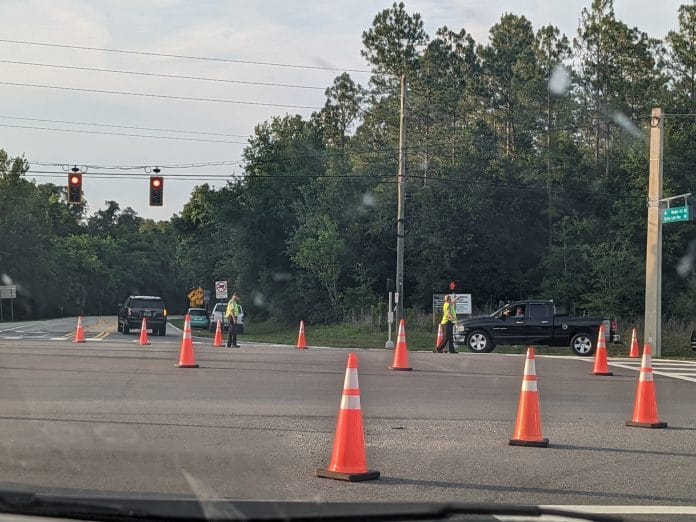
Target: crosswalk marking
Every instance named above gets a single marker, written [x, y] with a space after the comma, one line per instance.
[683, 370]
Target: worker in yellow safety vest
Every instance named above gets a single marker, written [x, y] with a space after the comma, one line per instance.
[449, 319]
[231, 313]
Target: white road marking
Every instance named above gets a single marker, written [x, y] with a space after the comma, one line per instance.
[628, 510]
[665, 368]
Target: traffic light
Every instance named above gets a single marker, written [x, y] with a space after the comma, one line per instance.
[156, 191]
[452, 285]
[75, 187]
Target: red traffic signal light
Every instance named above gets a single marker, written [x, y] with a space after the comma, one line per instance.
[156, 191]
[452, 285]
[75, 188]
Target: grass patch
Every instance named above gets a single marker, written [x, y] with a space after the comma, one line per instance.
[418, 338]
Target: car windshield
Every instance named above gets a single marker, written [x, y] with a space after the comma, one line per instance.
[266, 250]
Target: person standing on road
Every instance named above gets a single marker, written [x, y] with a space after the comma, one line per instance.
[231, 313]
[449, 319]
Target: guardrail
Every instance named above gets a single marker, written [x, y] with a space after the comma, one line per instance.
[693, 340]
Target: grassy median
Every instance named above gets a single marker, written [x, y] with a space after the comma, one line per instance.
[418, 338]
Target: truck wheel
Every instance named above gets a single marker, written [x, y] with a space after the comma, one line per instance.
[119, 328]
[163, 331]
[478, 341]
[126, 330]
[582, 344]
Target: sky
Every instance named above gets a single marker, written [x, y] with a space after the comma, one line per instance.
[210, 135]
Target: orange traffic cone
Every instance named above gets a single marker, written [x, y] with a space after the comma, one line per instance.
[528, 424]
[401, 352]
[217, 341]
[186, 358]
[143, 334]
[600, 362]
[645, 406]
[79, 332]
[634, 352]
[348, 458]
[439, 338]
[301, 343]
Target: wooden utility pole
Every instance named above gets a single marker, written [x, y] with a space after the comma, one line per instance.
[653, 255]
[400, 225]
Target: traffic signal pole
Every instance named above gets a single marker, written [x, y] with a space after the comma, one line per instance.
[653, 255]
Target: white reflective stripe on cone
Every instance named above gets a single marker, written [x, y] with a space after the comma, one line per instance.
[351, 380]
[529, 386]
[530, 367]
[646, 377]
[647, 361]
[350, 402]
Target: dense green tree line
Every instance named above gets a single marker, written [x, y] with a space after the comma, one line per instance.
[527, 162]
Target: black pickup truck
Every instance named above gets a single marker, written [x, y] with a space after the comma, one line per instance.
[532, 323]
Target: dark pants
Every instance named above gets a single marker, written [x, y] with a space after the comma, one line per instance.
[232, 334]
[448, 338]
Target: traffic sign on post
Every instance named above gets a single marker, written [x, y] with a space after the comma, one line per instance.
[674, 214]
[220, 289]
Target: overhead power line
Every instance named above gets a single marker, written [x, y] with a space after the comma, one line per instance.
[126, 134]
[161, 75]
[114, 126]
[183, 56]
[162, 96]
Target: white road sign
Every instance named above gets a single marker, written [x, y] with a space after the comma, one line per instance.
[220, 289]
[462, 305]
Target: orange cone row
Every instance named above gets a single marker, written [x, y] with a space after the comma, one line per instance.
[401, 351]
[301, 341]
[601, 367]
[645, 406]
[217, 341]
[348, 457]
[440, 336]
[634, 352]
[143, 341]
[186, 355]
[527, 430]
[79, 332]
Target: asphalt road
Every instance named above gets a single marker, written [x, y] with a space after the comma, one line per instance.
[256, 422]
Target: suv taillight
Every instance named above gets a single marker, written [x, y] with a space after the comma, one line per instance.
[164, 312]
[614, 326]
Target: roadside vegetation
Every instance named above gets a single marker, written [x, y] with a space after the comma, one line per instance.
[527, 167]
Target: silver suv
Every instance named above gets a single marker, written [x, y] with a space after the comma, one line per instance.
[219, 313]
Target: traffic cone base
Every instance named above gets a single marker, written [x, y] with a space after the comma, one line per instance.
[350, 477]
[400, 362]
[186, 365]
[646, 424]
[543, 443]
[601, 373]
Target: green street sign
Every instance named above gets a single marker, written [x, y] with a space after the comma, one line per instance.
[671, 215]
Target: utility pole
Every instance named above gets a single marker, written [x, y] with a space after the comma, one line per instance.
[401, 188]
[653, 256]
